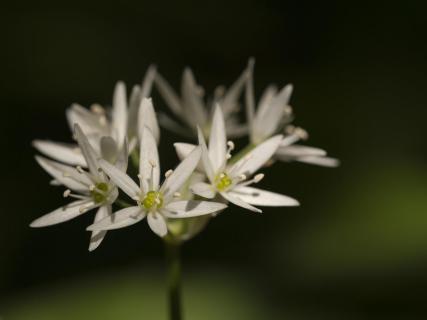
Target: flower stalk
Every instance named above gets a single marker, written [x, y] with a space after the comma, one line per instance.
[173, 265]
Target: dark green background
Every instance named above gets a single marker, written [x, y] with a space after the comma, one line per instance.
[355, 249]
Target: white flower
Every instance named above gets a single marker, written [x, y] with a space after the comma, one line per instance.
[92, 188]
[157, 203]
[274, 114]
[232, 181]
[97, 122]
[191, 109]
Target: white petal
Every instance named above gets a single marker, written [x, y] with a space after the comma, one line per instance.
[149, 165]
[87, 150]
[268, 119]
[147, 83]
[300, 151]
[249, 94]
[123, 157]
[182, 172]
[218, 140]
[232, 95]
[183, 149]
[239, 202]
[192, 208]
[61, 214]
[320, 161]
[260, 197]
[119, 219]
[119, 116]
[203, 189]
[169, 95]
[88, 121]
[97, 236]
[66, 153]
[207, 164]
[157, 223]
[173, 126]
[192, 98]
[65, 175]
[147, 118]
[256, 158]
[109, 149]
[121, 179]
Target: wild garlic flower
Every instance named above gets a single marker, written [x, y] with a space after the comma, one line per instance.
[191, 109]
[91, 189]
[119, 123]
[273, 115]
[157, 203]
[232, 181]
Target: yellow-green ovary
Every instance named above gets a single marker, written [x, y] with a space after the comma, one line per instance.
[152, 199]
[222, 181]
[99, 194]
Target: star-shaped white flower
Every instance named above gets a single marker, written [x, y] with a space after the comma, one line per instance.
[92, 188]
[232, 181]
[157, 203]
[97, 122]
[191, 109]
[274, 114]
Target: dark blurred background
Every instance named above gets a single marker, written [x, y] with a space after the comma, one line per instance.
[355, 249]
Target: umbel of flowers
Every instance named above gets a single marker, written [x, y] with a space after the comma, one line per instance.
[211, 176]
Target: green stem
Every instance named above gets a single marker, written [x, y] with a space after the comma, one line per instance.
[173, 262]
[123, 203]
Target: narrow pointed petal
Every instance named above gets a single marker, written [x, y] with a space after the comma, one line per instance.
[169, 95]
[183, 149]
[97, 236]
[157, 223]
[148, 81]
[122, 158]
[173, 126]
[87, 150]
[192, 208]
[207, 164]
[62, 152]
[260, 197]
[218, 140]
[256, 158]
[182, 172]
[239, 202]
[300, 151]
[119, 219]
[231, 97]
[250, 95]
[61, 214]
[147, 118]
[203, 189]
[149, 165]
[121, 179]
[119, 116]
[193, 102]
[108, 149]
[320, 161]
[87, 120]
[65, 175]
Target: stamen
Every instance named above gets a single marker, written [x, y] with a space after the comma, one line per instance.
[66, 193]
[177, 195]
[96, 108]
[92, 187]
[288, 110]
[258, 177]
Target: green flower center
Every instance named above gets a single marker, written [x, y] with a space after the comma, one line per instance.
[152, 199]
[222, 181]
[100, 193]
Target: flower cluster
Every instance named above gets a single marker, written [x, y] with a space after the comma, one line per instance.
[208, 178]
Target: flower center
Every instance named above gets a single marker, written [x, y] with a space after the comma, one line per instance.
[100, 193]
[152, 199]
[222, 181]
